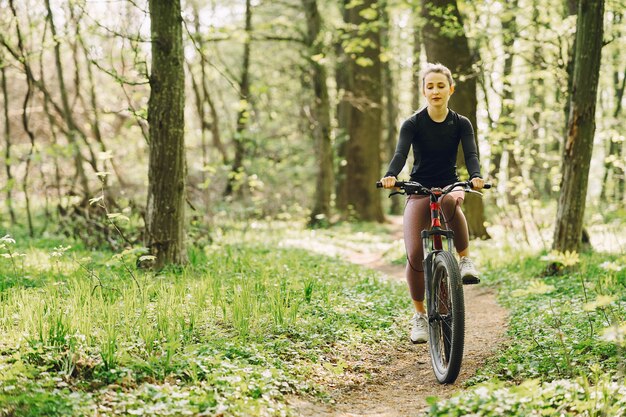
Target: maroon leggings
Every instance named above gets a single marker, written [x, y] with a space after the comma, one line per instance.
[416, 219]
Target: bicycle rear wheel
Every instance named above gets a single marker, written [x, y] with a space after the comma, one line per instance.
[446, 316]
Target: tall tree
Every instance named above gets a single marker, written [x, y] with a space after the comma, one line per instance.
[320, 116]
[581, 126]
[165, 212]
[72, 128]
[416, 88]
[343, 79]
[7, 143]
[570, 8]
[537, 104]
[613, 163]
[363, 145]
[506, 119]
[391, 99]
[243, 114]
[445, 42]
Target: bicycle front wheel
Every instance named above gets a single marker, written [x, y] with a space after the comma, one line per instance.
[446, 315]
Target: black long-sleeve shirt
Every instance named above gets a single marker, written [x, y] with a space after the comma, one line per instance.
[435, 147]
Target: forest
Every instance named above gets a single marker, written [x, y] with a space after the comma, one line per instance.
[190, 223]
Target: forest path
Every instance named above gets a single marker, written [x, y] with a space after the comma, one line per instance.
[403, 379]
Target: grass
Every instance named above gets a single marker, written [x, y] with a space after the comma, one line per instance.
[565, 354]
[233, 333]
[247, 324]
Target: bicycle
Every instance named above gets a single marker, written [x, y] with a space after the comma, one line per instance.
[444, 288]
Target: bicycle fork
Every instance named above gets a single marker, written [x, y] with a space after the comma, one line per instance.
[433, 246]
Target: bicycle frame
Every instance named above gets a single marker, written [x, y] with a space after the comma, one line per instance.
[436, 230]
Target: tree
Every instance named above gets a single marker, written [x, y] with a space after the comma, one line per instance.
[343, 79]
[581, 126]
[7, 143]
[243, 115]
[68, 115]
[507, 122]
[445, 42]
[391, 100]
[165, 211]
[614, 162]
[362, 151]
[320, 116]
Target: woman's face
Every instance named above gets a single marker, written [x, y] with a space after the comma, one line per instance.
[437, 90]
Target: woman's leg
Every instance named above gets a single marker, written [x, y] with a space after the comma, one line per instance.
[454, 219]
[416, 219]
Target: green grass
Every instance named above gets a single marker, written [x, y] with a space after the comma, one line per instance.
[561, 357]
[234, 332]
[246, 324]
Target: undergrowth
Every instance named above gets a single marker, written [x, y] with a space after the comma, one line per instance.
[565, 352]
[233, 333]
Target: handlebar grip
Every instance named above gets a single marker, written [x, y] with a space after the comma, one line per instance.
[487, 186]
[379, 184]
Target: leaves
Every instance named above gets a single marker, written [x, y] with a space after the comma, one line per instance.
[566, 258]
[615, 334]
[600, 302]
[7, 239]
[118, 216]
[611, 266]
[97, 199]
[535, 287]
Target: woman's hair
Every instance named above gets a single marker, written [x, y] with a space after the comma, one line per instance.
[438, 68]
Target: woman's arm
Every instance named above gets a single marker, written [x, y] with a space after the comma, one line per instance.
[407, 130]
[470, 151]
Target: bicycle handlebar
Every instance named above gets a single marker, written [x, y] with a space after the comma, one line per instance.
[412, 187]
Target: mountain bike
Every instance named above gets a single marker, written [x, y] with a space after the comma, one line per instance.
[444, 288]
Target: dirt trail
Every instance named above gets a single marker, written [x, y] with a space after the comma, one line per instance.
[404, 379]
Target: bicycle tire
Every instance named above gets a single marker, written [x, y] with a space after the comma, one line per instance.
[446, 316]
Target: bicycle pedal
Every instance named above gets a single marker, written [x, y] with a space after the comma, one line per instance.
[471, 280]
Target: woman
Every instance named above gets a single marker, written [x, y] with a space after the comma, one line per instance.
[434, 133]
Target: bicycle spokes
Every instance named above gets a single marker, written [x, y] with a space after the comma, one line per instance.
[446, 317]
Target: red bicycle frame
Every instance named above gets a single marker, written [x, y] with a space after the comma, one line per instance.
[436, 230]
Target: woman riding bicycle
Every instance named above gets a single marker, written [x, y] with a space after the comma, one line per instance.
[434, 133]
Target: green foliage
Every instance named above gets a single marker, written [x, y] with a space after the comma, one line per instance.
[557, 330]
[232, 333]
[32, 401]
[580, 397]
[565, 353]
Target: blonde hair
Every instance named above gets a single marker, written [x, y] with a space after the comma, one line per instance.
[437, 68]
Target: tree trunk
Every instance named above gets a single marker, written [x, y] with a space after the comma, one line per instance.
[320, 120]
[343, 78]
[165, 211]
[614, 152]
[391, 104]
[365, 107]
[7, 143]
[451, 48]
[416, 87]
[507, 115]
[29, 156]
[201, 91]
[67, 112]
[571, 8]
[506, 136]
[243, 114]
[581, 126]
[537, 102]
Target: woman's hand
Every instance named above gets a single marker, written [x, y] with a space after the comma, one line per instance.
[477, 183]
[388, 182]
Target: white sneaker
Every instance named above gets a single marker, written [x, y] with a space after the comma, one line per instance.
[469, 274]
[419, 328]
